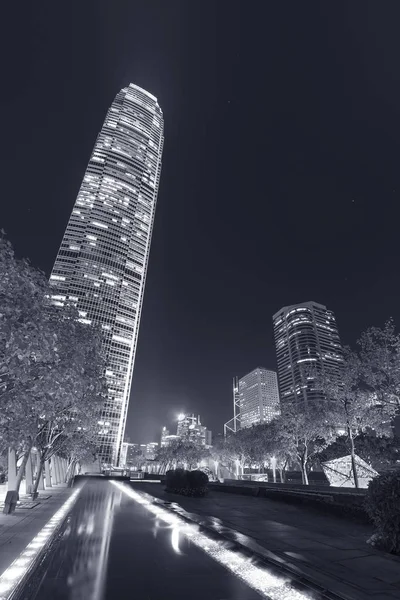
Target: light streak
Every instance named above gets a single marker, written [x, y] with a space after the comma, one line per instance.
[12, 576]
[266, 583]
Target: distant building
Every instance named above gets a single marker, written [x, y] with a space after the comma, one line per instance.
[306, 339]
[208, 439]
[151, 450]
[189, 429]
[129, 453]
[167, 438]
[258, 397]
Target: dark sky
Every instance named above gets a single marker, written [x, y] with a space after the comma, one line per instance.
[280, 179]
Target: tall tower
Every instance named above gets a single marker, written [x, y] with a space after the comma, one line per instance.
[258, 397]
[102, 262]
[306, 338]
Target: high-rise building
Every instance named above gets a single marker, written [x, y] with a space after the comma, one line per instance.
[129, 453]
[191, 430]
[258, 397]
[151, 450]
[102, 262]
[307, 340]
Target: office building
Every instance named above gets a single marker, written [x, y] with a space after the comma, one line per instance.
[151, 450]
[129, 453]
[258, 397]
[167, 438]
[307, 341]
[102, 262]
[191, 430]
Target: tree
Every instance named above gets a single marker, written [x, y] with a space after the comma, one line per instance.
[381, 452]
[77, 390]
[239, 448]
[350, 406]
[181, 453]
[301, 432]
[80, 448]
[53, 364]
[27, 349]
[380, 362]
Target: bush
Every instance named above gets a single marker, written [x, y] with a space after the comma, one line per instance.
[198, 482]
[187, 483]
[177, 481]
[383, 506]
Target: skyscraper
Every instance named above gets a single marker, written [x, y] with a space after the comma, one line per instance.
[306, 338]
[258, 397]
[102, 262]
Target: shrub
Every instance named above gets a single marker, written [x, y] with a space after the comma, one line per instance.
[177, 481]
[198, 482]
[187, 483]
[383, 506]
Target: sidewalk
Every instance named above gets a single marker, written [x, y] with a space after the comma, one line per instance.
[327, 550]
[18, 529]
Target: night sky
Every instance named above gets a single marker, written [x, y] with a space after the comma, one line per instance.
[280, 179]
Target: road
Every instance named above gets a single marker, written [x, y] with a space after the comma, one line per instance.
[113, 547]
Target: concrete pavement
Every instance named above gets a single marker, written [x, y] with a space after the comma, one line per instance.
[18, 529]
[328, 551]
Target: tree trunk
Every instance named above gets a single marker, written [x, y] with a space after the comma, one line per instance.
[70, 472]
[21, 470]
[353, 458]
[39, 472]
[303, 466]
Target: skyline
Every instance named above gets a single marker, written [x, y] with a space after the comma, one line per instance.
[280, 175]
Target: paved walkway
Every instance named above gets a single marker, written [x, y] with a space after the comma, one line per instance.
[328, 550]
[18, 529]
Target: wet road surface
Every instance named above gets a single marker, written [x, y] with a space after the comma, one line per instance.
[111, 547]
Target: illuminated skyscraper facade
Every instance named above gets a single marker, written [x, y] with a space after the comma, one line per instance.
[306, 339]
[102, 262]
[258, 397]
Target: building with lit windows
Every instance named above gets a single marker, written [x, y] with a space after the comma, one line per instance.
[191, 430]
[129, 453]
[258, 397]
[306, 340]
[149, 451]
[102, 262]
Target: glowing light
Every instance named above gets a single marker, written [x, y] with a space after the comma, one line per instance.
[181, 416]
[268, 584]
[175, 540]
[18, 569]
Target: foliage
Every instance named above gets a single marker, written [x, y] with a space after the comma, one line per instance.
[302, 432]
[181, 453]
[351, 406]
[383, 506]
[381, 452]
[53, 365]
[380, 360]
